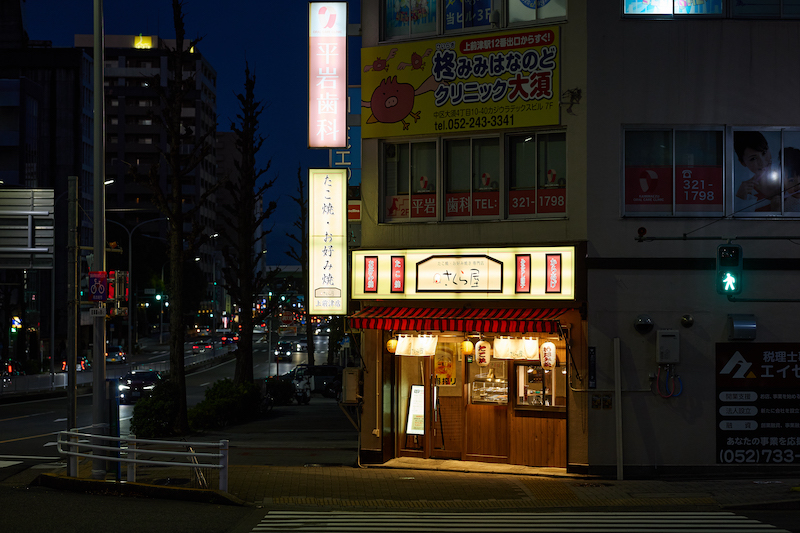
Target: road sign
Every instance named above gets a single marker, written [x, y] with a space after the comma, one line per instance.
[98, 286]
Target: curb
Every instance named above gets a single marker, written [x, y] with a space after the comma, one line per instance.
[142, 490]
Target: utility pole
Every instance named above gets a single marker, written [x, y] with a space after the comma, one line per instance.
[99, 402]
[73, 288]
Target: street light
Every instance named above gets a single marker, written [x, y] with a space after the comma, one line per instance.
[130, 273]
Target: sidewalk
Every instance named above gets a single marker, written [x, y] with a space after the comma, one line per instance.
[430, 485]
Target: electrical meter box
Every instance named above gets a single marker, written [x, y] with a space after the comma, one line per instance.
[668, 347]
[350, 385]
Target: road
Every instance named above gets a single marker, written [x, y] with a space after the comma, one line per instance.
[28, 430]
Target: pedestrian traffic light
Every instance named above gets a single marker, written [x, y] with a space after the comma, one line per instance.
[729, 269]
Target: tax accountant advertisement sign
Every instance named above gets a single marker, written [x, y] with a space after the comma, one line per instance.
[758, 403]
[477, 82]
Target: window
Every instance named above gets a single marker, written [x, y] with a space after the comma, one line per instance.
[537, 174]
[472, 174]
[409, 171]
[404, 18]
[531, 10]
[730, 8]
[460, 14]
[681, 172]
[684, 181]
[474, 182]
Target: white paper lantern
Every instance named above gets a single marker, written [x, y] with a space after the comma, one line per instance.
[483, 353]
[547, 355]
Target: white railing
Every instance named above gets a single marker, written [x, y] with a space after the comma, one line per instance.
[70, 443]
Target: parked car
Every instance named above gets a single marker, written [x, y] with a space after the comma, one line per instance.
[115, 354]
[137, 384]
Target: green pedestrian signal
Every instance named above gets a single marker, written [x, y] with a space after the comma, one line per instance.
[729, 269]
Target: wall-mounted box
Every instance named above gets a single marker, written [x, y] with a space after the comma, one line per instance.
[668, 347]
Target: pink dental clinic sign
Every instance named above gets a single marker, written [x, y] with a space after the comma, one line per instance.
[327, 74]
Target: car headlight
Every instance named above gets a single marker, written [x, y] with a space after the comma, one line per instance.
[149, 387]
[124, 387]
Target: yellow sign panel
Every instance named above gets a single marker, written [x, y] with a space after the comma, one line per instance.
[327, 254]
[454, 84]
[533, 273]
[143, 41]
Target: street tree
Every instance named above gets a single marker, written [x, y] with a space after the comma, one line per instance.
[245, 215]
[300, 254]
[185, 149]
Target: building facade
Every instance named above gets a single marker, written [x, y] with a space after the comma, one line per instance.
[550, 181]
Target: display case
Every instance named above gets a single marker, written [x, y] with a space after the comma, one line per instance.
[489, 384]
[540, 388]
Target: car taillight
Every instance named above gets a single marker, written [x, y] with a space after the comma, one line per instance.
[63, 366]
[83, 365]
[10, 370]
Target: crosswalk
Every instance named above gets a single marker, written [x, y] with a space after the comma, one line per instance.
[592, 522]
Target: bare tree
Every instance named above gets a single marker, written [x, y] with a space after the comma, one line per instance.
[301, 256]
[185, 150]
[241, 280]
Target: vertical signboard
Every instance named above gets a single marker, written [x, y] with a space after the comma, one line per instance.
[758, 403]
[327, 74]
[327, 255]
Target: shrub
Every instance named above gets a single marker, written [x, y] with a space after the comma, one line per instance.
[225, 403]
[155, 417]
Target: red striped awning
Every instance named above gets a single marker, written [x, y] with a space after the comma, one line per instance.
[521, 320]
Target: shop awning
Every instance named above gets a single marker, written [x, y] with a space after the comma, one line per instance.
[521, 320]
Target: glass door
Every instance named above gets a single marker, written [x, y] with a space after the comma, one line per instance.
[430, 403]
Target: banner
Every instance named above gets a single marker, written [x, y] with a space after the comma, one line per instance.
[455, 84]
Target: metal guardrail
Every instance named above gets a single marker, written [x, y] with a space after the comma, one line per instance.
[70, 443]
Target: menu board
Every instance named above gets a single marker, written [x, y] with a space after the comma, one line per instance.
[415, 425]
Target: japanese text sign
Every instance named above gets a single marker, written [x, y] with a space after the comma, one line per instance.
[327, 255]
[758, 403]
[544, 273]
[327, 74]
[477, 82]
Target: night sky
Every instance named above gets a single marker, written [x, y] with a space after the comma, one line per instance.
[269, 34]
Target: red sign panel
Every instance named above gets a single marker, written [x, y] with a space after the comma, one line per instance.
[371, 274]
[698, 189]
[523, 280]
[552, 273]
[648, 189]
[398, 273]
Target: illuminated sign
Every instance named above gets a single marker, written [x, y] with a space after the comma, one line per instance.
[540, 273]
[327, 255]
[143, 41]
[327, 75]
[454, 84]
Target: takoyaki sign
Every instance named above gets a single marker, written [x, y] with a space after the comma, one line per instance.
[479, 82]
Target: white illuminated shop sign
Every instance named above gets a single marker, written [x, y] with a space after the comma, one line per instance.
[541, 273]
[327, 254]
[327, 74]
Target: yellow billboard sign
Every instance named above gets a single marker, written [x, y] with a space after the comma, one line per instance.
[456, 84]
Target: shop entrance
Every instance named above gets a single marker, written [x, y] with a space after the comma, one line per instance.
[431, 404]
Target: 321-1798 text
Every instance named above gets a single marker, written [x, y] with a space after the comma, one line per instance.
[482, 121]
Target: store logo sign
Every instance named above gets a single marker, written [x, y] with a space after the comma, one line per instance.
[738, 360]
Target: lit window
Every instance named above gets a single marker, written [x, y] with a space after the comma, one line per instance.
[409, 181]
